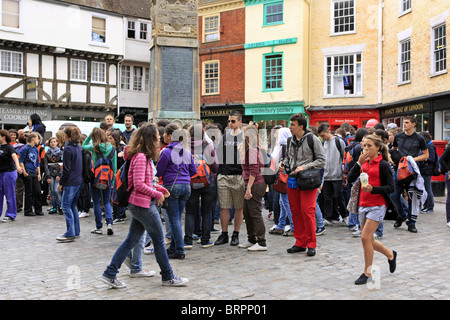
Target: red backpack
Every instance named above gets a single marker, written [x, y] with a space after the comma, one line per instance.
[203, 177]
[103, 171]
[405, 173]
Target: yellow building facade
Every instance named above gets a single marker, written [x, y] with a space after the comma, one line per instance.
[276, 60]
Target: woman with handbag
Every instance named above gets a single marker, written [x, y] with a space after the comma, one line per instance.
[144, 198]
[374, 163]
[176, 167]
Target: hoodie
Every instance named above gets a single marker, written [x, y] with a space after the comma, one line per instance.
[105, 149]
[277, 152]
[72, 172]
[173, 158]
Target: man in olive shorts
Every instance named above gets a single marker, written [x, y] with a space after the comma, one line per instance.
[230, 183]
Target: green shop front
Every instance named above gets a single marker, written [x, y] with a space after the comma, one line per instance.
[269, 115]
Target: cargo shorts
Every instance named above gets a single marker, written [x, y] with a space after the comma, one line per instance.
[230, 191]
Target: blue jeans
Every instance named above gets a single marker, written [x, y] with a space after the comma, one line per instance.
[429, 203]
[98, 194]
[55, 195]
[177, 201]
[69, 201]
[142, 219]
[285, 211]
[319, 217]
[7, 189]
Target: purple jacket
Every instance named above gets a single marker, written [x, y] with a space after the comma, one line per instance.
[172, 158]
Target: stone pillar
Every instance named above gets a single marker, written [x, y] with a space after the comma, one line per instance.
[174, 70]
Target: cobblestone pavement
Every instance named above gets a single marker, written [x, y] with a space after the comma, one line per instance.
[35, 266]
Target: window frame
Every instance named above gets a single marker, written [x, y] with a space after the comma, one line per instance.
[100, 78]
[214, 79]
[434, 72]
[138, 30]
[205, 33]
[356, 94]
[334, 17]
[12, 29]
[78, 70]
[266, 6]
[12, 53]
[98, 43]
[401, 10]
[265, 56]
[402, 62]
[128, 77]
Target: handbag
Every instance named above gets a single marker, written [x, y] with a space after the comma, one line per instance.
[353, 203]
[165, 203]
[280, 184]
[309, 179]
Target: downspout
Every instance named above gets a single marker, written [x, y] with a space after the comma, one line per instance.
[380, 52]
[309, 3]
[119, 67]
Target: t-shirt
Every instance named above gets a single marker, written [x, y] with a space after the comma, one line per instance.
[6, 160]
[29, 156]
[409, 145]
[228, 154]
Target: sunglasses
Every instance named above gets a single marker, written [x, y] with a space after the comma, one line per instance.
[232, 121]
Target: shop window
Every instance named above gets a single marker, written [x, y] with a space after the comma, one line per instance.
[273, 72]
[344, 75]
[211, 28]
[210, 77]
[405, 61]
[439, 58]
[273, 13]
[343, 19]
[446, 126]
[10, 14]
[11, 62]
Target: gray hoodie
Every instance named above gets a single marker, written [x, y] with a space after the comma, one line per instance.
[305, 156]
[333, 167]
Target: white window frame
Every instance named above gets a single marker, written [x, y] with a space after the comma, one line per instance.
[401, 7]
[435, 72]
[215, 80]
[125, 77]
[5, 28]
[333, 18]
[404, 60]
[215, 31]
[98, 72]
[138, 25]
[11, 62]
[98, 43]
[356, 73]
[77, 73]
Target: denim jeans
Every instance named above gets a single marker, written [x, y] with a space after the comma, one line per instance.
[429, 203]
[142, 219]
[285, 212]
[135, 255]
[98, 194]
[69, 207]
[319, 217]
[205, 195]
[177, 201]
[447, 202]
[55, 195]
[7, 190]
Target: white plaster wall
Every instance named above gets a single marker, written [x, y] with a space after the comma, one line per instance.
[97, 94]
[61, 68]
[78, 93]
[32, 65]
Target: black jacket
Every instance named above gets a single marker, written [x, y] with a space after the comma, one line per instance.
[444, 161]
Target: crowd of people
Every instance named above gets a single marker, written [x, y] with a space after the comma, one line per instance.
[307, 177]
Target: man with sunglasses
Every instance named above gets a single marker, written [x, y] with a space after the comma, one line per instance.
[230, 183]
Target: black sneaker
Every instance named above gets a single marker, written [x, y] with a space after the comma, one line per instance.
[311, 252]
[393, 262]
[178, 256]
[295, 249]
[362, 279]
[222, 239]
[412, 229]
[399, 222]
[234, 239]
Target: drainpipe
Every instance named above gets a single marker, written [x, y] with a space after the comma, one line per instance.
[380, 52]
[309, 3]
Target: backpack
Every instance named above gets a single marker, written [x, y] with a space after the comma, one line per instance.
[120, 192]
[436, 166]
[348, 158]
[269, 171]
[203, 177]
[88, 167]
[405, 172]
[103, 171]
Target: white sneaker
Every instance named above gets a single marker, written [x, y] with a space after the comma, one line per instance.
[176, 282]
[345, 220]
[257, 247]
[448, 224]
[83, 214]
[110, 229]
[245, 245]
[357, 233]
[327, 222]
[97, 231]
[142, 274]
[287, 228]
[273, 227]
[114, 283]
[149, 249]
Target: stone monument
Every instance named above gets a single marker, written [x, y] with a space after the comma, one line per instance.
[174, 70]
